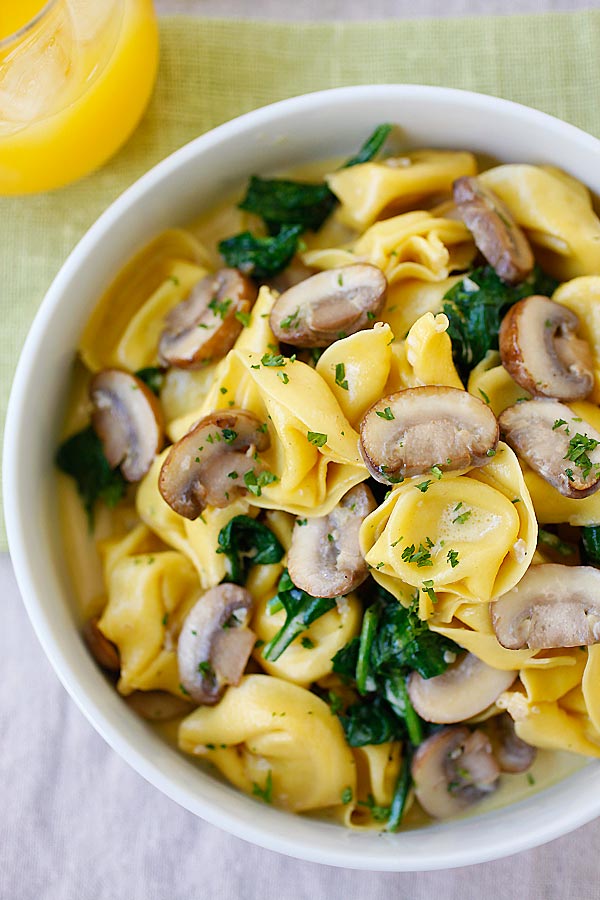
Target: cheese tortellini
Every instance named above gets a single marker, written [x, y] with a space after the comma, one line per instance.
[301, 694]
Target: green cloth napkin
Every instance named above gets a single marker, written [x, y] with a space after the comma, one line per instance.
[212, 70]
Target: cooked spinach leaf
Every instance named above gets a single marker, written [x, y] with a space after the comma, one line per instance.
[400, 793]
[81, 456]
[246, 542]
[153, 377]
[404, 641]
[393, 642]
[261, 257]
[371, 722]
[283, 202]
[475, 307]
[590, 535]
[370, 148]
[288, 208]
[301, 611]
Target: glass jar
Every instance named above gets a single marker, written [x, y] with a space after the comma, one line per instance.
[75, 78]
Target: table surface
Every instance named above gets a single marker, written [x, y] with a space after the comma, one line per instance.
[78, 823]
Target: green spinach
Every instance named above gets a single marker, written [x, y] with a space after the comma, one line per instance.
[261, 257]
[153, 377]
[475, 307]
[301, 611]
[81, 456]
[246, 542]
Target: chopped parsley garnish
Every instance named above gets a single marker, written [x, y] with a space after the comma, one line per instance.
[220, 307]
[579, 447]
[206, 669]
[244, 317]
[255, 482]
[340, 376]
[422, 556]
[423, 485]
[347, 795]
[461, 518]
[265, 794]
[307, 643]
[484, 395]
[558, 423]
[386, 414]
[452, 558]
[316, 438]
[273, 359]
[292, 319]
[284, 377]
[229, 435]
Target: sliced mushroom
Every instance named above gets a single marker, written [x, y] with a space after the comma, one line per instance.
[210, 465]
[215, 644]
[205, 325]
[104, 651]
[512, 754]
[559, 447]
[127, 418]
[495, 232]
[540, 350]
[330, 305]
[453, 769]
[157, 706]
[466, 688]
[552, 606]
[409, 432]
[324, 558]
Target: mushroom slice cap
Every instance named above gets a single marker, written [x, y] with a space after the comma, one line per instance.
[566, 453]
[540, 350]
[511, 752]
[466, 688]
[127, 418]
[453, 769]
[104, 651]
[215, 644]
[494, 230]
[332, 304]
[552, 606]
[204, 326]
[324, 558]
[157, 706]
[207, 466]
[409, 432]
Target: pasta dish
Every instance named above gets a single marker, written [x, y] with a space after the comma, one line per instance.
[331, 484]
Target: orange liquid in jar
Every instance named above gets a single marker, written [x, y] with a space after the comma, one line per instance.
[73, 86]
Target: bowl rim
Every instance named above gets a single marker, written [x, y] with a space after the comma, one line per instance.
[21, 549]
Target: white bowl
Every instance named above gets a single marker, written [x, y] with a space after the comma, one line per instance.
[177, 190]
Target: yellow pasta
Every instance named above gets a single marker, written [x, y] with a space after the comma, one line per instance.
[412, 245]
[319, 710]
[148, 597]
[274, 733]
[558, 217]
[366, 190]
[472, 514]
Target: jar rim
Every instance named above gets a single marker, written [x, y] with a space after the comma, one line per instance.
[28, 26]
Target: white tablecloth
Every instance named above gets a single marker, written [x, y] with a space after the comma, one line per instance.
[76, 823]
